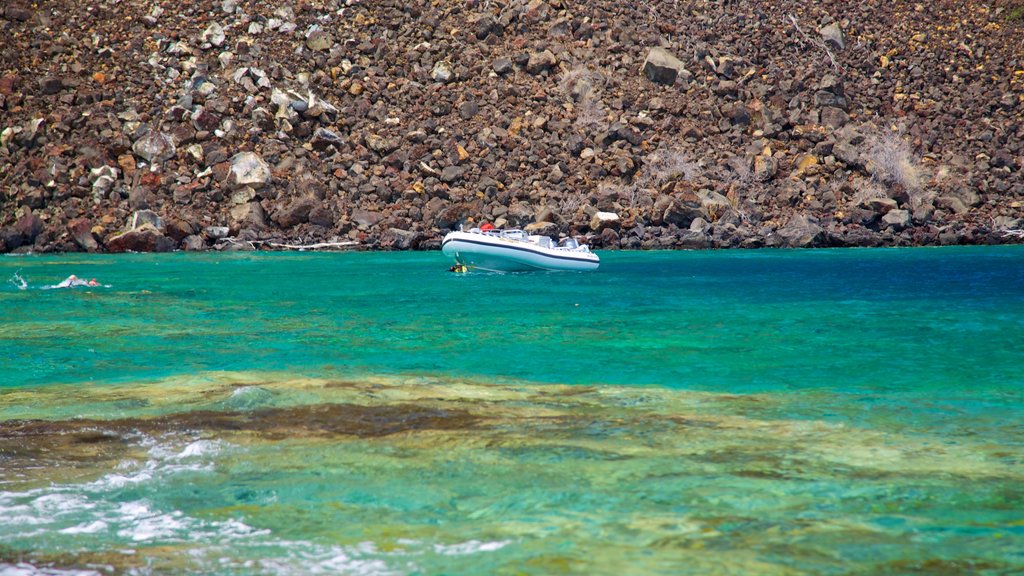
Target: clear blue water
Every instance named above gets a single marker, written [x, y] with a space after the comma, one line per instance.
[821, 411]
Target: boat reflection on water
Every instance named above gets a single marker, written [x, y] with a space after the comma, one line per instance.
[514, 250]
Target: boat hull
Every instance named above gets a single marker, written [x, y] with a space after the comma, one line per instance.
[500, 255]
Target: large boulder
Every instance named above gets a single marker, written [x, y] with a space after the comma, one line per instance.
[28, 227]
[398, 239]
[81, 232]
[248, 215]
[604, 220]
[544, 228]
[364, 219]
[897, 219]
[248, 169]
[802, 232]
[662, 67]
[680, 210]
[145, 239]
[296, 212]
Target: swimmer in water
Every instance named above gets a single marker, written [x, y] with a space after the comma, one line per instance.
[72, 281]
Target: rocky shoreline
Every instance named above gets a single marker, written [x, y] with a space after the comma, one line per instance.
[234, 124]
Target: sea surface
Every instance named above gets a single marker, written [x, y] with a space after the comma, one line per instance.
[748, 412]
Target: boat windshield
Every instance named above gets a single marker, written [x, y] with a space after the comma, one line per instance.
[513, 234]
[569, 243]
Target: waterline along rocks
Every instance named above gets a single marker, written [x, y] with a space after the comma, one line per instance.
[694, 124]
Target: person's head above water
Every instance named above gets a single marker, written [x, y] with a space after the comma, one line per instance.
[93, 282]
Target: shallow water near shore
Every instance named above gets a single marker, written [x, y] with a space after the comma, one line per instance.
[768, 412]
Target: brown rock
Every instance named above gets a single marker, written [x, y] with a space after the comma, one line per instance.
[81, 233]
[398, 239]
[297, 212]
[146, 239]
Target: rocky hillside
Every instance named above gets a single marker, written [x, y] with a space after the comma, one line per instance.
[158, 125]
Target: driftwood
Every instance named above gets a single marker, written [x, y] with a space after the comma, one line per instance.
[315, 246]
[255, 244]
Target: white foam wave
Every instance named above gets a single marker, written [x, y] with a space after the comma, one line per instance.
[470, 547]
[86, 528]
[23, 569]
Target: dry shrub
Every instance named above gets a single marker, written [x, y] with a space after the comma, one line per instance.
[665, 165]
[584, 86]
[892, 163]
[569, 205]
[870, 191]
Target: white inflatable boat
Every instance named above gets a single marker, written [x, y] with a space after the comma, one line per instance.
[516, 251]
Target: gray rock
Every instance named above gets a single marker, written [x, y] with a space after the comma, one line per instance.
[502, 65]
[765, 167]
[365, 219]
[141, 218]
[544, 228]
[323, 138]
[248, 169]
[680, 211]
[847, 153]
[952, 204]
[834, 117]
[398, 239]
[452, 174]
[897, 219]
[881, 205]
[802, 232]
[214, 34]
[155, 147]
[442, 72]
[216, 232]
[319, 40]
[242, 195]
[833, 35]
[381, 144]
[541, 61]
[17, 14]
[50, 85]
[248, 215]
[193, 243]
[602, 220]
[468, 109]
[1007, 223]
[693, 240]
[662, 67]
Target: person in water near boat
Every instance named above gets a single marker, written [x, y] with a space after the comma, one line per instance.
[72, 281]
[459, 268]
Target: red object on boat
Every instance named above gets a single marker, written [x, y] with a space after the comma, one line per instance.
[487, 226]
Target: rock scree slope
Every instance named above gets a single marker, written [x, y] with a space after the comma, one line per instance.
[237, 124]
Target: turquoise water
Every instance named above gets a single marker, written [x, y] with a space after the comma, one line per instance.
[768, 412]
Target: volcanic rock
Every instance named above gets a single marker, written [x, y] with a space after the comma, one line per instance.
[248, 169]
[145, 239]
[81, 232]
[155, 147]
[662, 67]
